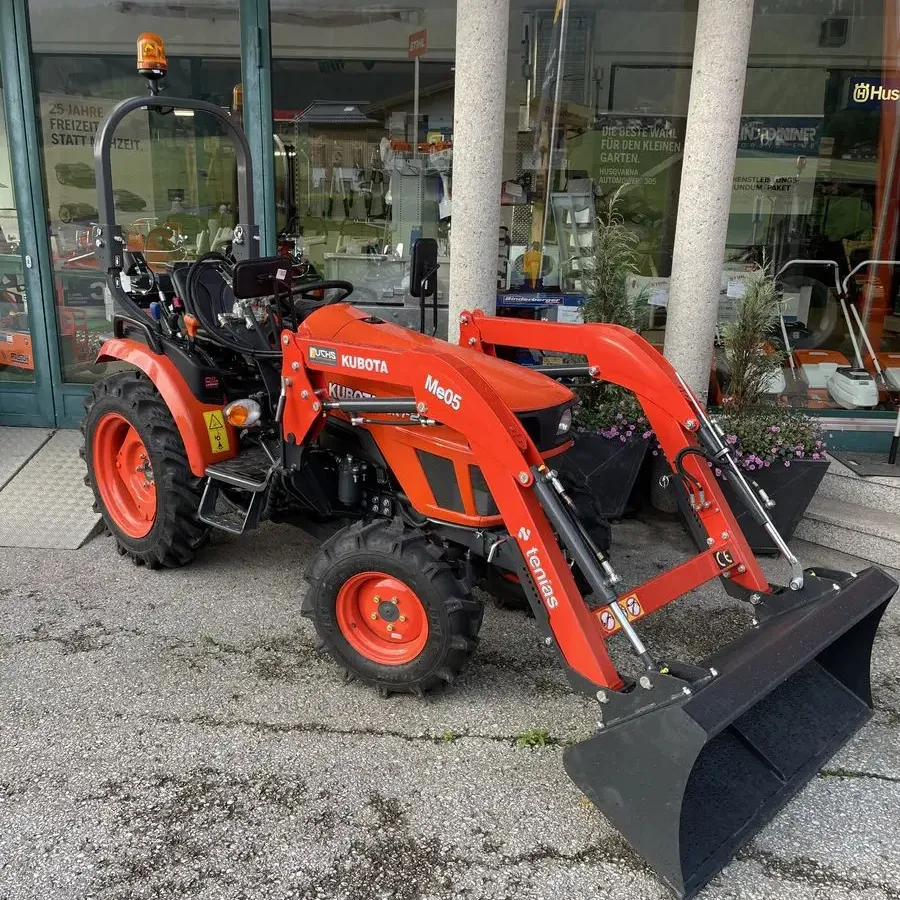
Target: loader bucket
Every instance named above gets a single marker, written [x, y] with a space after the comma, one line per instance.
[689, 781]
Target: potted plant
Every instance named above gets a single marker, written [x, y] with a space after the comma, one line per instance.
[780, 449]
[611, 431]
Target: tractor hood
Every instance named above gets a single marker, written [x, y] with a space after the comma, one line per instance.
[522, 389]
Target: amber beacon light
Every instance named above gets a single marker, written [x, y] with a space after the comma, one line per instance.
[151, 56]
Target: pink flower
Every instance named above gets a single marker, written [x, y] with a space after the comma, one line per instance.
[731, 439]
[774, 429]
[647, 435]
[817, 456]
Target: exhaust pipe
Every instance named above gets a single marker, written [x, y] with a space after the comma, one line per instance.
[688, 775]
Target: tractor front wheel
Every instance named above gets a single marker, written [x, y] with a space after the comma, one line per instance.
[387, 606]
[138, 470]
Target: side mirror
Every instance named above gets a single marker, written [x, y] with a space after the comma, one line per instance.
[423, 268]
[257, 277]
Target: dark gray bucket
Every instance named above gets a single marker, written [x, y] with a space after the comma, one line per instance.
[688, 783]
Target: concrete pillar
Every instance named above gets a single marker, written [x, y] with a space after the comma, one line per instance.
[479, 111]
[721, 47]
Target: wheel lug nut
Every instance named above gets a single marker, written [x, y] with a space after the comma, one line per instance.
[374, 616]
[376, 599]
[402, 618]
[390, 628]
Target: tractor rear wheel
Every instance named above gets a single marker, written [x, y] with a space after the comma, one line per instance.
[387, 606]
[138, 470]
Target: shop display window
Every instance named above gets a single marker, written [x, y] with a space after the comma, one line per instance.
[597, 103]
[174, 174]
[363, 115]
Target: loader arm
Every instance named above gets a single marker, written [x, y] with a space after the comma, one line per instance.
[446, 389]
[621, 356]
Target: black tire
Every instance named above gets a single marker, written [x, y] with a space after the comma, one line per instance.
[177, 533]
[453, 615]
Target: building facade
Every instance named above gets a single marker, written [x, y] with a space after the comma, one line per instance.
[500, 128]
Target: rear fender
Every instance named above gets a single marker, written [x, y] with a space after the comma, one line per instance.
[204, 441]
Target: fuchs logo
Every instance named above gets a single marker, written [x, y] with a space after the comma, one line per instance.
[544, 584]
[343, 392]
[326, 356]
[364, 363]
[451, 398]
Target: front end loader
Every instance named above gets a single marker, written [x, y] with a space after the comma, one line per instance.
[423, 466]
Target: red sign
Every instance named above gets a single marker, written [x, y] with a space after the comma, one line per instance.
[418, 43]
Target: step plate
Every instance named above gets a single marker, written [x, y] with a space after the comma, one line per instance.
[53, 480]
[17, 446]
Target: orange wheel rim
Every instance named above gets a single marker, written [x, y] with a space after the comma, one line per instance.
[124, 475]
[382, 618]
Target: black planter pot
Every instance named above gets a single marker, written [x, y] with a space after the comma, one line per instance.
[606, 469]
[791, 487]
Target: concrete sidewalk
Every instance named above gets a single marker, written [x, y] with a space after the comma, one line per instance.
[174, 734]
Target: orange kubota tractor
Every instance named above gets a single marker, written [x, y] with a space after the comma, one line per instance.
[429, 464]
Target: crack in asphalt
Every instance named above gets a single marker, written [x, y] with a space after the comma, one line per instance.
[856, 773]
[321, 728]
[805, 870]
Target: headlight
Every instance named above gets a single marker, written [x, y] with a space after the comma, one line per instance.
[242, 413]
[565, 423]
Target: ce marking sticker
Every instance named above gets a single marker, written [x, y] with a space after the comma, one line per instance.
[724, 559]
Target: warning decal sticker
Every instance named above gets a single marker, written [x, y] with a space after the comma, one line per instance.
[608, 620]
[632, 607]
[218, 433]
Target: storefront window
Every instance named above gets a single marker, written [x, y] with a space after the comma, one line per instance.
[597, 95]
[16, 351]
[815, 195]
[173, 174]
[597, 104]
[363, 108]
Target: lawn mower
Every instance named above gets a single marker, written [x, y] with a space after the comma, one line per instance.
[424, 464]
[828, 373]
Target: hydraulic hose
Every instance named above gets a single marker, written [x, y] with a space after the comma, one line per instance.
[210, 327]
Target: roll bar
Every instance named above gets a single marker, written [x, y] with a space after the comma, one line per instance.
[110, 243]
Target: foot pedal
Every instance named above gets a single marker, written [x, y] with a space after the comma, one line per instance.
[250, 471]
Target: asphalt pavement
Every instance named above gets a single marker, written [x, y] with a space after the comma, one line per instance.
[175, 735]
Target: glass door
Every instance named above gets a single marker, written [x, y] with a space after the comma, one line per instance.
[25, 382]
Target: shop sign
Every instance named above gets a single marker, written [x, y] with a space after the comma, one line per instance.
[418, 43]
[70, 124]
[796, 135]
[870, 93]
[776, 165]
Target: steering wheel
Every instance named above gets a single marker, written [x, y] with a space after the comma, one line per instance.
[308, 292]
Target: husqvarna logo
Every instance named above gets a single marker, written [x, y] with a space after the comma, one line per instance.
[451, 398]
[326, 356]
